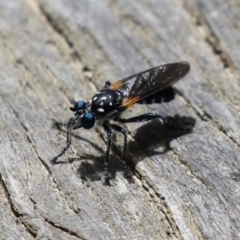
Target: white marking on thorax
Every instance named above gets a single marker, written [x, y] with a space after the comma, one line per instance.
[100, 110]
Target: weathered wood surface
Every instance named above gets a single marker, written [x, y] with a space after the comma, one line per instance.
[185, 187]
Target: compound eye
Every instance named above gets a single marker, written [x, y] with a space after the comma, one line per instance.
[79, 106]
[88, 120]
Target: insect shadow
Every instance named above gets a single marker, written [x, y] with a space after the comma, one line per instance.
[154, 135]
[148, 137]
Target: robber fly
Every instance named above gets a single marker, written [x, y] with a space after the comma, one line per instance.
[153, 85]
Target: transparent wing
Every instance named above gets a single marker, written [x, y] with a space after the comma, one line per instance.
[141, 85]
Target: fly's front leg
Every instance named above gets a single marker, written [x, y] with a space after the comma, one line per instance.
[106, 160]
[68, 142]
[124, 162]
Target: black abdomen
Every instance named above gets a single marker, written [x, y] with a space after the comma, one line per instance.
[165, 95]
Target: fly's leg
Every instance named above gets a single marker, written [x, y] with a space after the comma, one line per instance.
[143, 118]
[106, 160]
[124, 162]
[168, 121]
[69, 129]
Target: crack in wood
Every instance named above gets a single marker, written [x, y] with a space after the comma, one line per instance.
[61, 31]
[163, 207]
[29, 140]
[210, 37]
[63, 229]
[19, 216]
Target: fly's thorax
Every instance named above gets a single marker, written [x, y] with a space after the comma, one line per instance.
[106, 103]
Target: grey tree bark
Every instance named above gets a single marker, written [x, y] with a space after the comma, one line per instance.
[185, 187]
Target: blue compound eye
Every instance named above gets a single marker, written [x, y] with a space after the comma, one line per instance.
[88, 120]
[78, 106]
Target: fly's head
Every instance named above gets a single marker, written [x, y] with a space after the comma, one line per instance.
[83, 116]
[104, 105]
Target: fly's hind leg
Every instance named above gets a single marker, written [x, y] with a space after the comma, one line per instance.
[168, 121]
[144, 118]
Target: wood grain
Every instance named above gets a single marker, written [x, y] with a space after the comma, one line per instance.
[186, 186]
